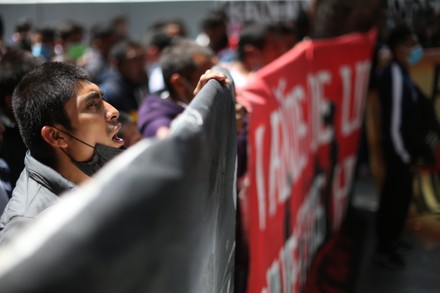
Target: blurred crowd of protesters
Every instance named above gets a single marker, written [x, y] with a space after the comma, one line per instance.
[150, 81]
[67, 108]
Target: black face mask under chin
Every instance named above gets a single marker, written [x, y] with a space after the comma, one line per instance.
[101, 156]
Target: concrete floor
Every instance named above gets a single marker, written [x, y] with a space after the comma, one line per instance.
[423, 263]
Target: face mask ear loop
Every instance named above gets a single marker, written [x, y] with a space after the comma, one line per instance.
[66, 133]
[71, 159]
[67, 155]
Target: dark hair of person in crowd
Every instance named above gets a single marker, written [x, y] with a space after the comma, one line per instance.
[101, 31]
[103, 37]
[179, 58]
[176, 28]
[70, 29]
[119, 51]
[172, 27]
[129, 58]
[214, 18]
[54, 84]
[14, 65]
[214, 25]
[120, 25]
[399, 36]
[47, 33]
[23, 26]
[286, 35]
[252, 34]
[23, 29]
[158, 39]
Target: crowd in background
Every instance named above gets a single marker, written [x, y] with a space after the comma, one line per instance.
[150, 81]
[128, 69]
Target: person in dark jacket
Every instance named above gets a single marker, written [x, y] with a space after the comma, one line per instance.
[126, 84]
[182, 65]
[398, 96]
[70, 132]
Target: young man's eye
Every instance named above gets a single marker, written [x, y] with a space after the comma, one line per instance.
[93, 104]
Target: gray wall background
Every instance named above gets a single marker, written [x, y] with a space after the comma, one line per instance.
[143, 14]
[140, 15]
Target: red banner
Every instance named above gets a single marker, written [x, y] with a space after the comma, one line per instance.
[304, 127]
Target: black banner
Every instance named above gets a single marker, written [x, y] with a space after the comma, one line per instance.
[159, 218]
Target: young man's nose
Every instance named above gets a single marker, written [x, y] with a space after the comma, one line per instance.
[111, 113]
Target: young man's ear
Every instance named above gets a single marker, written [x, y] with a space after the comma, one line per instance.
[53, 136]
[177, 83]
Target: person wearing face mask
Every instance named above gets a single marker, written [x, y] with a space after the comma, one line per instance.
[399, 97]
[70, 132]
[44, 43]
[182, 63]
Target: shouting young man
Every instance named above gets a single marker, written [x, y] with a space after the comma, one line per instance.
[70, 131]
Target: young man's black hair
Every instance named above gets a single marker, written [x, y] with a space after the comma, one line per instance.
[55, 84]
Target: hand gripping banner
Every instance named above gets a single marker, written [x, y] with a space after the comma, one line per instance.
[158, 218]
[304, 126]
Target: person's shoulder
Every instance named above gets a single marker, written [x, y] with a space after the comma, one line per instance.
[153, 98]
[31, 195]
[149, 101]
[151, 128]
[28, 199]
[386, 72]
[395, 67]
[157, 101]
[11, 229]
[227, 55]
[155, 112]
